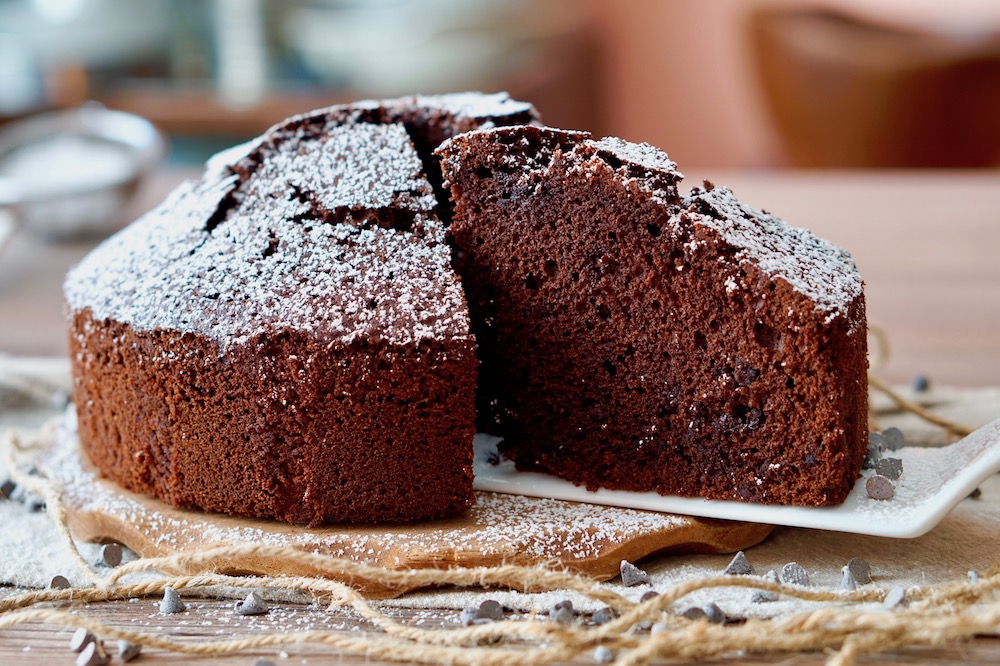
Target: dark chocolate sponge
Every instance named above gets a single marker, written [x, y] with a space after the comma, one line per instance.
[286, 337]
[631, 338]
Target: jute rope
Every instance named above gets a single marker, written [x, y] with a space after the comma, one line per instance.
[851, 623]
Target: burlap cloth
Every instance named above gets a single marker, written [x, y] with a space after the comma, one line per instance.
[32, 552]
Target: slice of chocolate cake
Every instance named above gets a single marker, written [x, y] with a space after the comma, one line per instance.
[286, 337]
[635, 339]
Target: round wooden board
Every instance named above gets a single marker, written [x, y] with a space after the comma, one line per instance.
[499, 529]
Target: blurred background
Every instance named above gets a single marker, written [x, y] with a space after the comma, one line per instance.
[717, 83]
[865, 120]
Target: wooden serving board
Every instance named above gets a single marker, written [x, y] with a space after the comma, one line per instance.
[499, 529]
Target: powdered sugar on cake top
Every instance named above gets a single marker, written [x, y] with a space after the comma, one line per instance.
[334, 235]
[816, 268]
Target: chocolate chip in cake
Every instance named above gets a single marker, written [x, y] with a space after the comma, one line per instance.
[860, 569]
[127, 651]
[59, 582]
[93, 654]
[921, 384]
[890, 468]
[111, 554]
[894, 439]
[764, 596]
[880, 488]
[632, 575]
[793, 574]
[254, 604]
[896, 597]
[739, 566]
[171, 602]
[603, 616]
[847, 581]
[80, 639]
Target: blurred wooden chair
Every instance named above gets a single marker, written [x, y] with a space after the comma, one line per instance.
[845, 92]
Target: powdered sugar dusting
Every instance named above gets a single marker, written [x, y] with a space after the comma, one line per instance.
[640, 154]
[281, 248]
[475, 105]
[814, 267]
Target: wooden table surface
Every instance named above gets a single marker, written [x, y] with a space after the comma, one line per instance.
[925, 242]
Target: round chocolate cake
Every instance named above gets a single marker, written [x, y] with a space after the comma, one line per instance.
[286, 337]
[635, 339]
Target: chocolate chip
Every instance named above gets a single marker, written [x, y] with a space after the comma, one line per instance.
[876, 445]
[695, 613]
[563, 615]
[714, 613]
[603, 616]
[880, 488]
[171, 602]
[976, 494]
[894, 439]
[647, 595]
[80, 639]
[490, 610]
[59, 582]
[603, 655]
[7, 489]
[128, 651]
[739, 566]
[921, 383]
[254, 604]
[93, 654]
[632, 575]
[848, 582]
[793, 574]
[111, 554]
[763, 596]
[565, 603]
[896, 597]
[890, 468]
[860, 569]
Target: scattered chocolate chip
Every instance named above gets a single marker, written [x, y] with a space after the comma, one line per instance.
[7, 489]
[111, 554]
[880, 488]
[714, 613]
[976, 494]
[254, 604]
[128, 651]
[59, 582]
[562, 615]
[860, 569]
[890, 468]
[973, 577]
[490, 610]
[763, 596]
[876, 445]
[632, 575]
[739, 566]
[921, 383]
[603, 616]
[565, 603]
[793, 574]
[93, 654]
[695, 613]
[171, 602]
[80, 639]
[894, 439]
[848, 582]
[603, 655]
[647, 595]
[895, 597]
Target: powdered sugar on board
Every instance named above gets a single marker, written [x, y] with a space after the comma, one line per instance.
[933, 481]
[499, 529]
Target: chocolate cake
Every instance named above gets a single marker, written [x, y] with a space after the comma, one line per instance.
[286, 337]
[633, 338]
